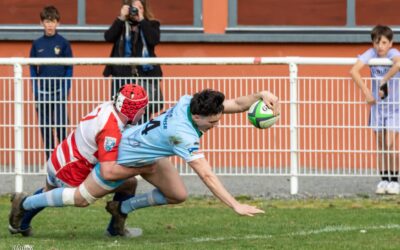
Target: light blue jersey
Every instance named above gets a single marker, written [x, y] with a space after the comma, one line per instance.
[385, 114]
[171, 133]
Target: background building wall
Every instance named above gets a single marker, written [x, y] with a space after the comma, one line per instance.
[90, 49]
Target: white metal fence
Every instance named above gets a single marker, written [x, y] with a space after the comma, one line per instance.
[323, 129]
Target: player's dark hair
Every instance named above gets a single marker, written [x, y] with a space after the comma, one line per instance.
[50, 13]
[207, 102]
[379, 31]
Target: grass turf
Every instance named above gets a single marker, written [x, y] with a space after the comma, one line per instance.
[204, 223]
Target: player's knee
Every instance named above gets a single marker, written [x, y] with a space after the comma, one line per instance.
[178, 197]
[80, 202]
[84, 198]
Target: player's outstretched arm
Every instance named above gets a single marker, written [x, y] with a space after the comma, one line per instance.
[112, 171]
[203, 170]
[243, 103]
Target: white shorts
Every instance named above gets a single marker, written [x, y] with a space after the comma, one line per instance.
[384, 117]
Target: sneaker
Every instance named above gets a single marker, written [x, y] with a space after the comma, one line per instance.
[119, 218]
[382, 187]
[393, 188]
[17, 211]
[26, 232]
[129, 232]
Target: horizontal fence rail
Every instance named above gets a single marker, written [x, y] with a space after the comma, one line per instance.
[322, 131]
[191, 61]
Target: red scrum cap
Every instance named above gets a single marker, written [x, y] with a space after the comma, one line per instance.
[131, 99]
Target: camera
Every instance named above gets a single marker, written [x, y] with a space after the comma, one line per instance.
[133, 11]
[384, 88]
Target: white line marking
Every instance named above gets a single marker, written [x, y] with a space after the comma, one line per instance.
[328, 229]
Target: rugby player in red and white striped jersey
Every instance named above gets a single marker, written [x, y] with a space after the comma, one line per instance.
[95, 139]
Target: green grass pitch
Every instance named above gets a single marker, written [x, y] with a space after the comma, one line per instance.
[204, 223]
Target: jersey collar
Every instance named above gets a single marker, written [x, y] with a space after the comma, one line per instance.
[189, 115]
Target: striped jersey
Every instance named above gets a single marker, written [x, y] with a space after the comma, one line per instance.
[95, 139]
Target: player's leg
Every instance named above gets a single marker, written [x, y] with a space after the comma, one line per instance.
[87, 193]
[96, 186]
[24, 207]
[26, 229]
[168, 181]
[170, 189]
[20, 218]
[125, 191]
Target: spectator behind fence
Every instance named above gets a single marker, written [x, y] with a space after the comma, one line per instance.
[135, 33]
[383, 98]
[51, 89]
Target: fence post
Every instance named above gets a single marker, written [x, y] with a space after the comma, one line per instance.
[18, 128]
[294, 185]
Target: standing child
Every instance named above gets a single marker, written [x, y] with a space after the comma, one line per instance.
[51, 87]
[384, 101]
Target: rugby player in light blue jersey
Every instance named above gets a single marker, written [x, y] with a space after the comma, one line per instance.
[178, 132]
[145, 150]
[384, 97]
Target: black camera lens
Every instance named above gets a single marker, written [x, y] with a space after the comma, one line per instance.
[385, 90]
[133, 11]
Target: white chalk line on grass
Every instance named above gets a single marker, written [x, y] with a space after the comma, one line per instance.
[328, 229]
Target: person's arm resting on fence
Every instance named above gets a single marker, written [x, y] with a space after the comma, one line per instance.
[392, 71]
[355, 74]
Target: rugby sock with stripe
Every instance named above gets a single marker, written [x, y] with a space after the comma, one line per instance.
[153, 198]
[52, 198]
[28, 215]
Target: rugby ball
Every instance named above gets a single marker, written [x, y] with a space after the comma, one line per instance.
[261, 116]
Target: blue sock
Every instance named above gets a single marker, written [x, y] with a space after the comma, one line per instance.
[153, 198]
[52, 198]
[28, 215]
[117, 197]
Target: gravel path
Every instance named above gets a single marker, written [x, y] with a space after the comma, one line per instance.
[263, 186]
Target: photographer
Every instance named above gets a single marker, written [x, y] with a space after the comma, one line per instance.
[135, 33]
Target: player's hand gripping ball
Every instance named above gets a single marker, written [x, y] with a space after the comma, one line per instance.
[261, 116]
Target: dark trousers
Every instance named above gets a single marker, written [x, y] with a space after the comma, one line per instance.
[153, 91]
[50, 114]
